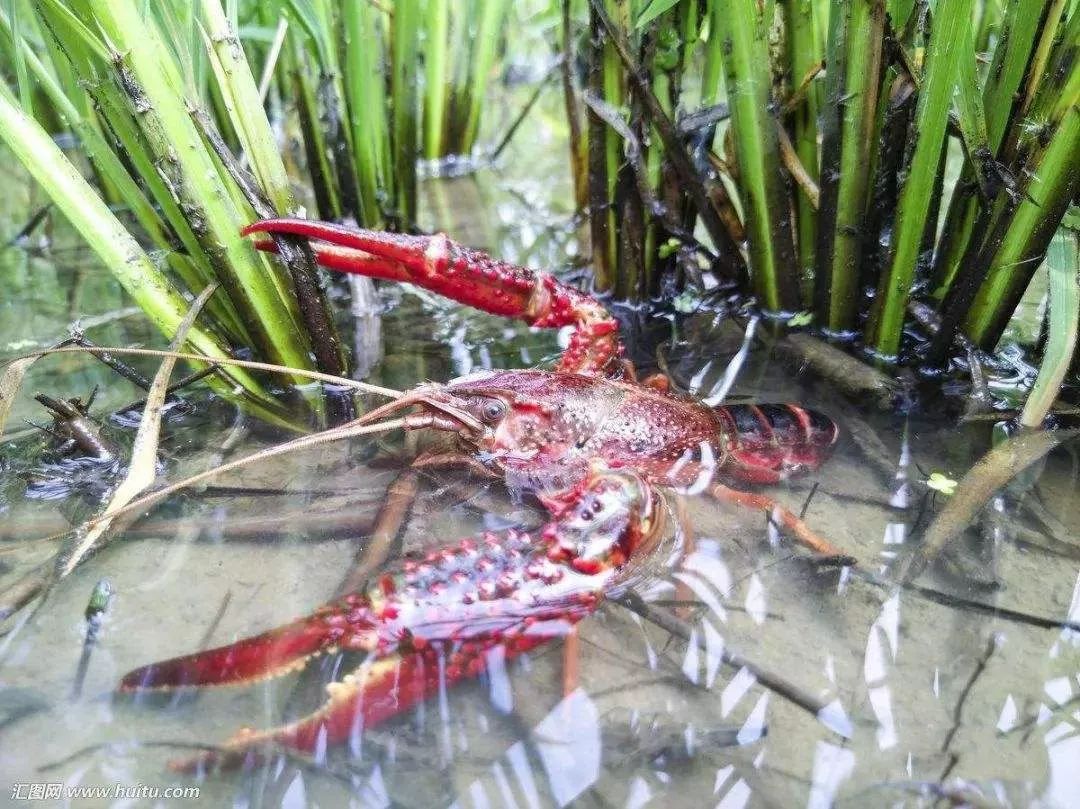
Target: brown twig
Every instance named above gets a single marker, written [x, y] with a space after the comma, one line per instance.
[848, 373]
[795, 167]
[965, 692]
[770, 680]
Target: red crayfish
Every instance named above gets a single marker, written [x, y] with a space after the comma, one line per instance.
[588, 439]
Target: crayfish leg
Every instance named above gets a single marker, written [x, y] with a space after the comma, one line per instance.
[784, 519]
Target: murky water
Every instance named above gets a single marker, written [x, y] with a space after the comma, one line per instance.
[926, 703]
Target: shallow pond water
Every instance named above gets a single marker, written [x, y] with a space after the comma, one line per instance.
[924, 702]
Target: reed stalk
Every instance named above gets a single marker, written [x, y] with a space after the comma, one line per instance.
[604, 148]
[802, 56]
[889, 309]
[144, 281]
[436, 68]
[762, 187]
[405, 114]
[856, 40]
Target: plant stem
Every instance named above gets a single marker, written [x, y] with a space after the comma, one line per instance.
[436, 59]
[938, 82]
[801, 57]
[404, 39]
[855, 48]
[762, 185]
[107, 237]
[365, 93]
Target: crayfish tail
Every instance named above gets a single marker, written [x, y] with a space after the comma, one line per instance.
[772, 442]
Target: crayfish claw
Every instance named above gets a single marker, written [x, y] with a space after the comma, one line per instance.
[271, 654]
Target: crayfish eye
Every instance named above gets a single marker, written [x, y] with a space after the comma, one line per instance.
[493, 411]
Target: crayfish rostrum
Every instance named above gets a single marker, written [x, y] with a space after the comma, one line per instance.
[588, 439]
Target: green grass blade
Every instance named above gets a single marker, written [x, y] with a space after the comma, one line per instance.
[1063, 265]
[939, 79]
[108, 238]
[763, 189]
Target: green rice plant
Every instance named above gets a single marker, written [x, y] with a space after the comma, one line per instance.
[841, 177]
[1042, 145]
[645, 193]
[143, 280]
[926, 141]
[743, 32]
[149, 71]
[380, 85]
[172, 103]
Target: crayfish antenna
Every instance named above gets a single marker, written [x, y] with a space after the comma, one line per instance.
[271, 654]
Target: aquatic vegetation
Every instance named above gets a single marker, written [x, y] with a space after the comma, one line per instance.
[846, 227]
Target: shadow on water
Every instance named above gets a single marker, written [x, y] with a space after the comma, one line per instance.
[925, 702]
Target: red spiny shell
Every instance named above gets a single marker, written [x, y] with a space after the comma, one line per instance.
[560, 422]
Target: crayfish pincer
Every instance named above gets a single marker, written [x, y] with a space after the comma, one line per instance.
[425, 624]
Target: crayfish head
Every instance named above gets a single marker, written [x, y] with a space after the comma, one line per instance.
[603, 522]
[519, 425]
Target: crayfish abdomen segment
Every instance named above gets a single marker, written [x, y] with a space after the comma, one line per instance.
[770, 442]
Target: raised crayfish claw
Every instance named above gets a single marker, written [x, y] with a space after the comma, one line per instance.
[467, 276]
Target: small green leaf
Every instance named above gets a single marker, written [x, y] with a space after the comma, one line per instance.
[940, 483]
[654, 10]
[668, 248]
[801, 319]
